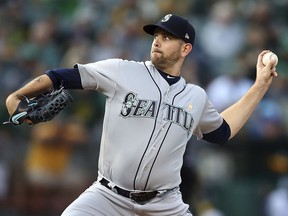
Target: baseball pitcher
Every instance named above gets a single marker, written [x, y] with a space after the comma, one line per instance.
[150, 115]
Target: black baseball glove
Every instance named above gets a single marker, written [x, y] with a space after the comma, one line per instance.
[42, 108]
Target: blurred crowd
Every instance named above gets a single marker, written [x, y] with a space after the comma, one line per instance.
[44, 167]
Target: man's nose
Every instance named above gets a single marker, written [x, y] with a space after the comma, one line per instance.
[156, 42]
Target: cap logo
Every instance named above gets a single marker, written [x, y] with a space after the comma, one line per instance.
[166, 18]
[187, 36]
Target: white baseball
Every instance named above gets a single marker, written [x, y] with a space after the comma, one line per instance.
[269, 57]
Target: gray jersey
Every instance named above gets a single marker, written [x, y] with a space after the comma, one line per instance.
[147, 122]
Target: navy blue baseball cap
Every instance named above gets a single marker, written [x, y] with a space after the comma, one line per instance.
[176, 25]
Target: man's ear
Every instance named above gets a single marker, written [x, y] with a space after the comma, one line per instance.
[187, 48]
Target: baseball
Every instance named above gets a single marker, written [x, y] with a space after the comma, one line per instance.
[268, 57]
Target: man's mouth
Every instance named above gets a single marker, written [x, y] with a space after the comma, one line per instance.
[156, 51]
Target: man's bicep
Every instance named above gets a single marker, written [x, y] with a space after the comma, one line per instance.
[220, 136]
[69, 78]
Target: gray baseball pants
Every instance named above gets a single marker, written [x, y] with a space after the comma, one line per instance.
[98, 200]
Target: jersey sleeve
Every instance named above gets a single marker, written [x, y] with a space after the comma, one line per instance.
[100, 76]
[210, 119]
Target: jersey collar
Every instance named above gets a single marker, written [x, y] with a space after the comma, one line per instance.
[169, 78]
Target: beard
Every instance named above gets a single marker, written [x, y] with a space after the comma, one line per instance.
[162, 61]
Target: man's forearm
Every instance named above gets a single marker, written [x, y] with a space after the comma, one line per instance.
[238, 114]
[37, 86]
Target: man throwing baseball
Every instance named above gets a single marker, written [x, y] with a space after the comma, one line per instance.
[150, 114]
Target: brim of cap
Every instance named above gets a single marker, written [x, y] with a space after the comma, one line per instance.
[150, 29]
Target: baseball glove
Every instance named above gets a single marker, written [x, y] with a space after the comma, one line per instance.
[42, 108]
